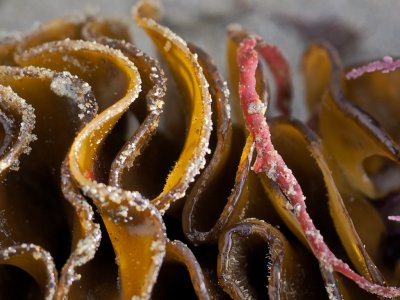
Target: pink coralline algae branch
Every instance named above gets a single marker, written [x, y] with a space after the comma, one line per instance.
[270, 161]
[281, 72]
[386, 65]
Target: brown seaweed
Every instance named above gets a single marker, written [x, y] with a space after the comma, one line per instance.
[256, 262]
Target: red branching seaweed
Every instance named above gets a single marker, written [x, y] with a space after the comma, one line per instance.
[269, 161]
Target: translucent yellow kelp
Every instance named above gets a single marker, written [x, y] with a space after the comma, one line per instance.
[147, 111]
[357, 143]
[17, 123]
[74, 28]
[25, 197]
[35, 261]
[349, 148]
[194, 88]
[226, 191]
[129, 192]
[324, 202]
[86, 234]
[377, 94]
[129, 219]
[95, 28]
[55, 30]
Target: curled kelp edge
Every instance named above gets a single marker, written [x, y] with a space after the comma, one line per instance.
[79, 93]
[235, 205]
[238, 201]
[329, 91]
[174, 50]
[122, 211]
[289, 272]
[178, 253]
[374, 89]
[268, 157]
[54, 30]
[35, 261]
[220, 154]
[87, 238]
[95, 28]
[342, 224]
[154, 105]
[118, 208]
[73, 27]
[18, 121]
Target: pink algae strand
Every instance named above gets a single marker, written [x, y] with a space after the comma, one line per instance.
[280, 70]
[386, 65]
[394, 218]
[270, 161]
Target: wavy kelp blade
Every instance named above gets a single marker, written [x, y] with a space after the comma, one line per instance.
[86, 234]
[74, 28]
[17, 121]
[209, 211]
[325, 204]
[17, 198]
[55, 30]
[221, 143]
[225, 192]
[317, 70]
[52, 95]
[95, 28]
[194, 88]
[134, 226]
[256, 262]
[99, 70]
[318, 65]
[153, 92]
[31, 192]
[187, 282]
[37, 262]
[377, 93]
[377, 89]
[268, 158]
[350, 149]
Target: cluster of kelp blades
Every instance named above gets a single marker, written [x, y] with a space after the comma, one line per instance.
[114, 186]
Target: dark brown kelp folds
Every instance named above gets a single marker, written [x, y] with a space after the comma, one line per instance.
[125, 177]
[271, 163]
[257, 262]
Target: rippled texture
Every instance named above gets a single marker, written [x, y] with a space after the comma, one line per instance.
[125, 176]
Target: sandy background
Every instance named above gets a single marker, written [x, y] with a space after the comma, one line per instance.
[362, 29]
